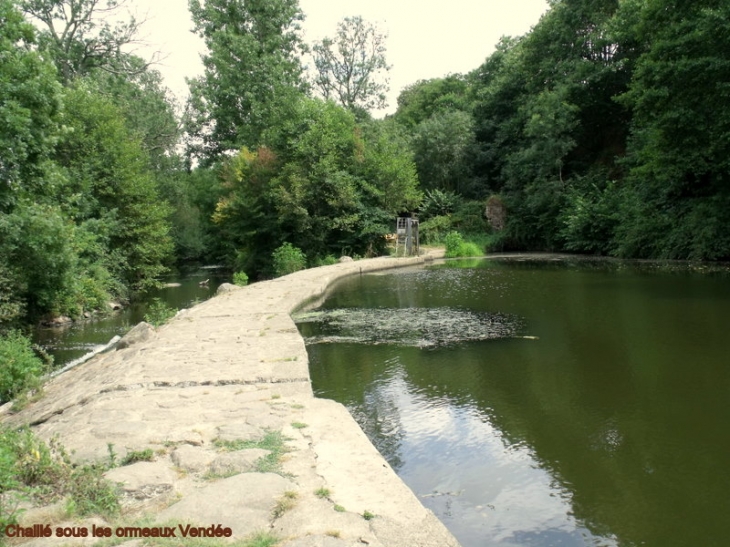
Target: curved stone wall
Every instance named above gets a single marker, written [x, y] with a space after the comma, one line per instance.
[234, 369]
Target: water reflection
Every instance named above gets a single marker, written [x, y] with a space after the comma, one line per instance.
[609, 429]
[490, 491]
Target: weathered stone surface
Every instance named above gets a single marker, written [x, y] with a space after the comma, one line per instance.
[343, 259]
[192, 458]
[328, 541]
[141, 332]
[240, 432]
[243, 503]
[143, 480]
[226, 287]
[240, 461]
[317, 517]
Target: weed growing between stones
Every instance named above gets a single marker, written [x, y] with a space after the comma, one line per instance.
[285, 503]
[263, 539]
[91, 493]
[339, 508]
[367, 515]
[213, 476]
[323, 493]
[273, 441]
[299, 425]
[135, 456]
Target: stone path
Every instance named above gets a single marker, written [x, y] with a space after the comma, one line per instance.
[233, 369]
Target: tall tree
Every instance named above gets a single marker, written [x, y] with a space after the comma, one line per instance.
[351, 68]
[253, 73]
[442, 144]
[325, 185]
[81, 39]
[110, 189]
[30, 104]
[149, 111]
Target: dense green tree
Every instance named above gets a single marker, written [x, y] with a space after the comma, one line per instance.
[442, 146]
[678, 190]
[148, 108]
[253, 73]
[323, 183]
[500, 90]
[425, 98]
[341, 185]
[545, 117]
[110, 188]
[30, 102]
[39, 243]
[351, 68]
[438, 115]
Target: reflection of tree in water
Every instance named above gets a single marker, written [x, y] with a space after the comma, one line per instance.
[379, 418]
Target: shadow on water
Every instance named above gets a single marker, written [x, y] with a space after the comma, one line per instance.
[183, 289]
[608, 427]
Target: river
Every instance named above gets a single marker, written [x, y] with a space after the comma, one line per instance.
[542, 403]
[184, 289]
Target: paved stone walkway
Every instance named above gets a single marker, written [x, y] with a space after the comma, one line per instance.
[233, 368]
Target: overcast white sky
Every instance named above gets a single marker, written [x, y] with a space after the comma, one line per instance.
[426, 39]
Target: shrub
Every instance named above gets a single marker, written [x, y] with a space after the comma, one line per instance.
[326, 261]
[439, 203]
[158, 313]
[469, 218]
[135, 456]
[21, 368]
[91, 493]
[457, 247]
[470, 249]
[288, 259]
[44, 473]
[453, 242]
[240, 279]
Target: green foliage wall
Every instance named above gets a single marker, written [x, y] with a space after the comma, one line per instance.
[30, 103]
[81, 218]
[605, 129]
[325, 183]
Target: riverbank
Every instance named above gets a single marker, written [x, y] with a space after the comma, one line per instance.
[231, 373]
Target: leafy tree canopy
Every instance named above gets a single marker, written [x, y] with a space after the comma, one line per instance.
[253, 73]
[30, 103]
[421, 100]
[351, 68]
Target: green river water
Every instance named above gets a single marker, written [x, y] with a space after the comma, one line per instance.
[542, 403]
[67, 343]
